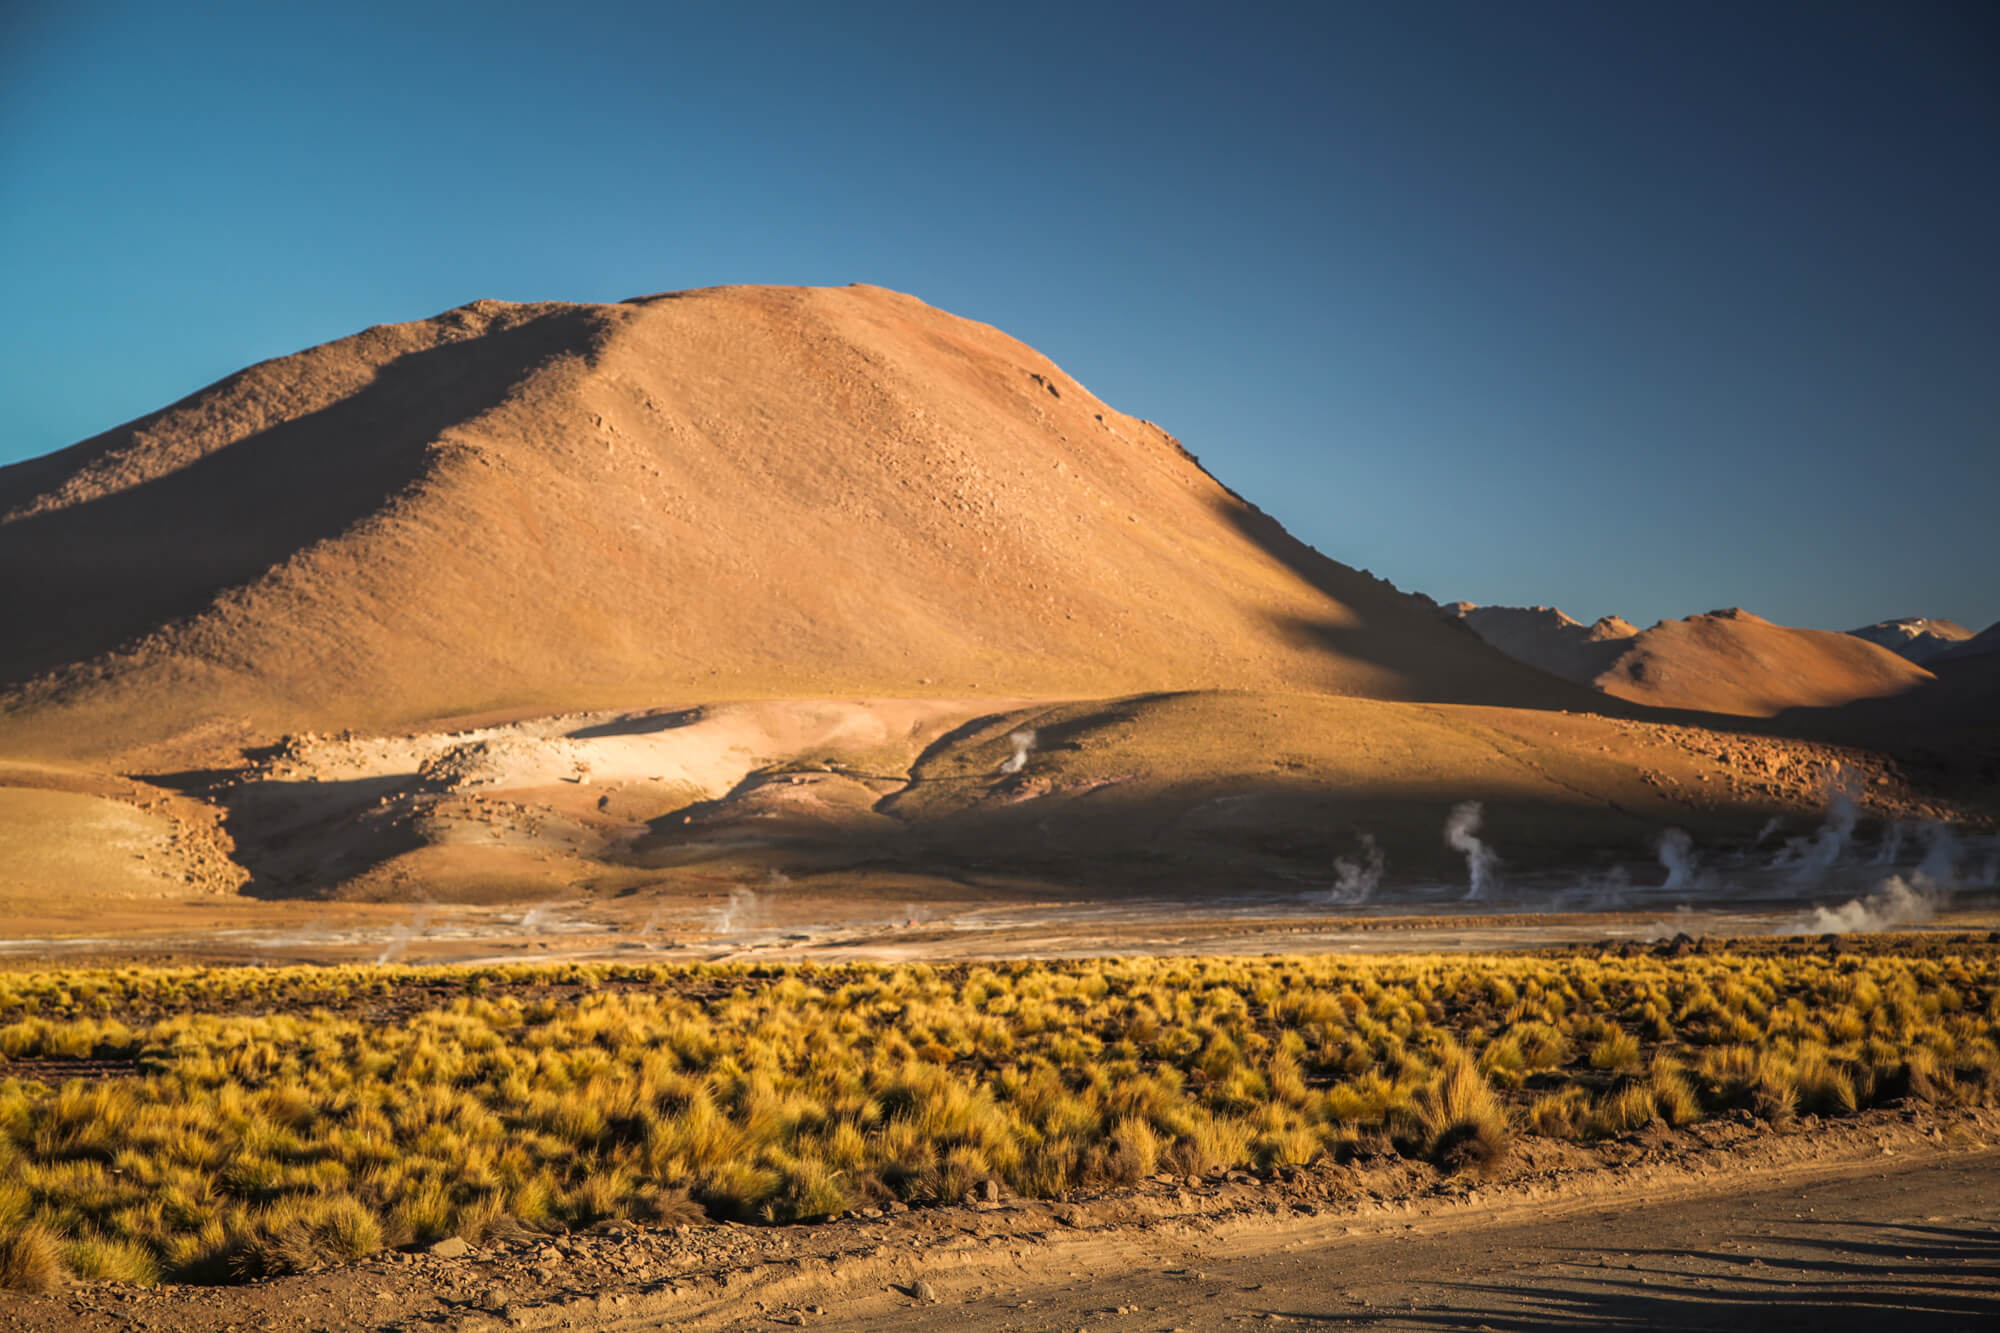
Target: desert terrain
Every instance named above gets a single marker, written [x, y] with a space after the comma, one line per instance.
[786, 647]
[808, 591]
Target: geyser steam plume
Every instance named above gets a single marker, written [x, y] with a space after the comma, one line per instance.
[1482, 865]
[1810, 859]
[1678, 856]
[1940, 863]
[742, 902]
[1895, 902]
[1892, 843]
[418, 924]
[1353, 881]
[1023, 742]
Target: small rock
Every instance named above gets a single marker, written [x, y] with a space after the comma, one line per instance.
[451, 1247]
[922, 1291]
[989, 1190]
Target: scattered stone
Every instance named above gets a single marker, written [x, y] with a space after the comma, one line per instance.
[451, 1247]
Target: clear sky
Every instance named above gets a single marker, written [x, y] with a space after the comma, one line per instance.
[1628, 307]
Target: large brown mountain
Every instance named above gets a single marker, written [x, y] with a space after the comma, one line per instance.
[731, 493]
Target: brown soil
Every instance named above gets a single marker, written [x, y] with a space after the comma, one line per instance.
[112, 839]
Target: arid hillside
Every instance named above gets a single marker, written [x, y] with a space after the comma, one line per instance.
[732, 493]
[1729, 662]
[1735, 662]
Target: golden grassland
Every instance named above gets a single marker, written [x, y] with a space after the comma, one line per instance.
[217, 1124]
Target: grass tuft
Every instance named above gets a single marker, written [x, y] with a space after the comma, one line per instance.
[31, 1260]
[1464, 1124]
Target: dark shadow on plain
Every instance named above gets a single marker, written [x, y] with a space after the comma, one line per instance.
[298, 839]
[639, 724]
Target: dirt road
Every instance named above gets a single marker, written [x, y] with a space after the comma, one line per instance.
[1903, 1246]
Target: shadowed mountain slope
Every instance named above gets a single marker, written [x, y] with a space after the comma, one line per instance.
[1723, 662]
[1544, 637]
[738, 492]
[1986, 643]
[1919, 638]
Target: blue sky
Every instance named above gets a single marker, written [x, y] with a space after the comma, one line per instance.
[1642, 308]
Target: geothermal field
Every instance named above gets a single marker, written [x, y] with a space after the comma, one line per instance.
[776, 806]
